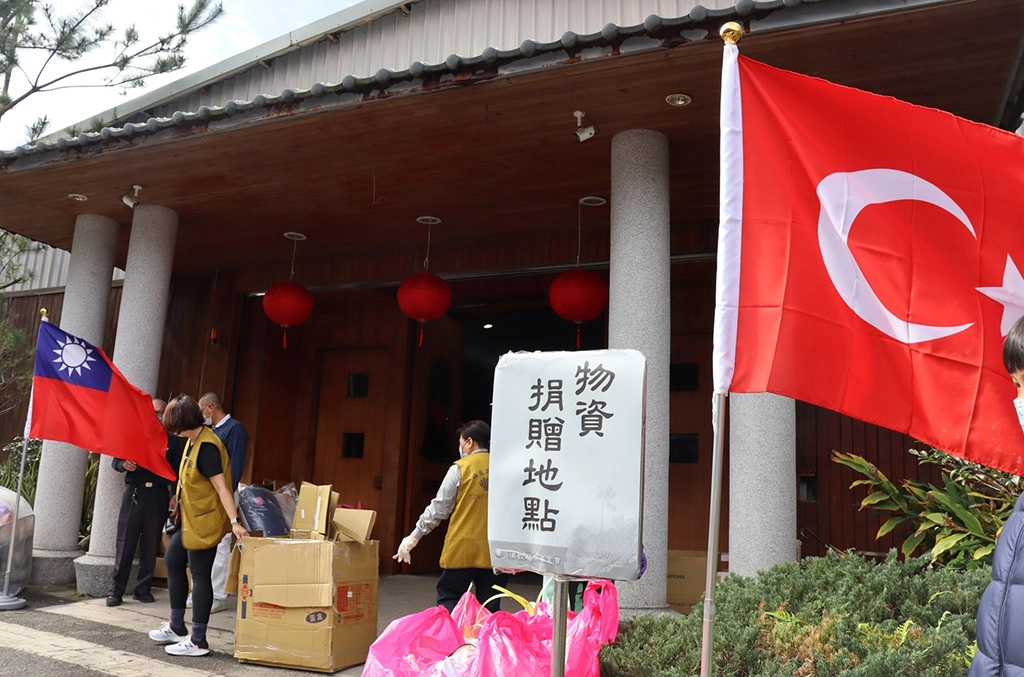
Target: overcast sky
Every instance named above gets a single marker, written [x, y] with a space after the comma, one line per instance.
[245, 24]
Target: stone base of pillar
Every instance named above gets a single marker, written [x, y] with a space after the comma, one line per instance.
[93, 574]
[54, 567]
[626, 613]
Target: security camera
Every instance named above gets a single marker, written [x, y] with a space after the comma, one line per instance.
[132, 200]
[584, 133]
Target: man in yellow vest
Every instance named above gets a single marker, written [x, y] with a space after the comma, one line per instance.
[466, 557]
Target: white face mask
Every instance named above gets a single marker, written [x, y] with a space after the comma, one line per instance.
[462, 454]
[207, 421]
[1019, 404]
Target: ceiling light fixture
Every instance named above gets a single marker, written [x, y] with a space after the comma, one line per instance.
[592, 201]
[488, 326]
[78, 197]
[428, 221]
[679, 99]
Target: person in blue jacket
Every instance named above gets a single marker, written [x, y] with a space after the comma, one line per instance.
[1001, 612]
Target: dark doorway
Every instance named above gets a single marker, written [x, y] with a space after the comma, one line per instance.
[530, 330]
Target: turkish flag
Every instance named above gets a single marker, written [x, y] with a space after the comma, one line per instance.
[80, 397]
[867, 259]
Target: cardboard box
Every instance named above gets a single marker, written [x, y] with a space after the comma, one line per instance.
[687, 571]
[160, 569]
[313, 512]
[312, 509]
[306, 604]
[353, 525]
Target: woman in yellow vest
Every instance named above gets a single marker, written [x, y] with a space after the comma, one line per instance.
[466, 557]
[205, 508]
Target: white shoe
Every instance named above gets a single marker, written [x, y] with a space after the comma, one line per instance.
[186, 647]
[188, 602]
[165, 635]
[218, 605]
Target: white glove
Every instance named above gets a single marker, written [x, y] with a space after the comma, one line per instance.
[405, 549]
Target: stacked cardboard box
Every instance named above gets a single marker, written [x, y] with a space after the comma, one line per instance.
[309, 602]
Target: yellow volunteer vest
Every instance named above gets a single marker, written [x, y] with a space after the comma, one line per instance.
[203, 519]
[465, 545]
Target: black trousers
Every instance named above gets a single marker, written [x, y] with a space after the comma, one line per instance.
[453, 583]
[200, 563]
[139, 525]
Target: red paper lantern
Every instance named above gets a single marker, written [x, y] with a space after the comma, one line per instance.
[424, 297]
[288, 304]
[579, 296]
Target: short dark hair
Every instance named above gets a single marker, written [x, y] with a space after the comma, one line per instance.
[1013, 347]
[182, 414]
[478, 431]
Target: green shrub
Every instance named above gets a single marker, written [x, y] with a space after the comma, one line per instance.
[822, 616]
[12, 467]
[956, 523]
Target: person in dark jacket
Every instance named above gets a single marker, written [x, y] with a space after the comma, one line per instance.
[140, 522]
[1001, 612]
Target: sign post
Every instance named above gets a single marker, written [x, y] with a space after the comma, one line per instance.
[566, 469]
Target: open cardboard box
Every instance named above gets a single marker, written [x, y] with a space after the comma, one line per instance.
[309, 604]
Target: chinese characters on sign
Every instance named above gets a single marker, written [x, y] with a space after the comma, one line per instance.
[566, 463]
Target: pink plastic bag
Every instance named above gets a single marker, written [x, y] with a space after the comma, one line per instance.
[467, 614]
[583, 643]
[508, 647]
[413, 644]
[604, 596]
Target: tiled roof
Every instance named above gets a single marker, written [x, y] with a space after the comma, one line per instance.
[655, 32]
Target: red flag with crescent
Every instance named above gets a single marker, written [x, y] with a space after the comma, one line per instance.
[868, 259]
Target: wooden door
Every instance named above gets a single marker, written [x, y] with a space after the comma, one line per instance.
[351, 424]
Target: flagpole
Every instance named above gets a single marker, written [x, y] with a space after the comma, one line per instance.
[10, 602]
[730, 209]
[711, 573]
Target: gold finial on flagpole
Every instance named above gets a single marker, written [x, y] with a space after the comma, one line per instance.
[731, 32]
[44, 312]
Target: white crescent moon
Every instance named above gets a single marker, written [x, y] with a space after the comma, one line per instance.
[843, 195]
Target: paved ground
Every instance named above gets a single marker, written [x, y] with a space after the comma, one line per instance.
[61, 634]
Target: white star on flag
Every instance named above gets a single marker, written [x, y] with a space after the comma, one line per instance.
[1011, 295]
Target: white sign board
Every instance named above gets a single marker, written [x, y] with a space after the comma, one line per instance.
[566, 467]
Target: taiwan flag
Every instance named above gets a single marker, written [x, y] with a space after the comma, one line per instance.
[868, 259]
[80, 397]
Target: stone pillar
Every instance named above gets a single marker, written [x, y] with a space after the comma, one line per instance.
[140, 330]
[61, 481]
[639, 313]
[762, 481]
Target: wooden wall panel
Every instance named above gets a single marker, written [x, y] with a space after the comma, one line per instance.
[834, 517]
[690, 412]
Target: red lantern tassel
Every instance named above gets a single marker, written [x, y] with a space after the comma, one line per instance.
[284, 340]
[420, 343]
[577, 336]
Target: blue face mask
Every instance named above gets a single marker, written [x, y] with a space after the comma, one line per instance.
[1019, 404]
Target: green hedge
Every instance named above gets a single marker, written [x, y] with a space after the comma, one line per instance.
[822, 616]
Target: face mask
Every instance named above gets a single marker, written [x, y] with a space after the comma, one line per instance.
[207, 421]
[1019, 404]
[462, 454]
